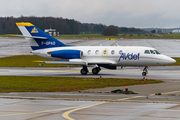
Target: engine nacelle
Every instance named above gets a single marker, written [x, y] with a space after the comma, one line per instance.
[112, 67]
[67, 54]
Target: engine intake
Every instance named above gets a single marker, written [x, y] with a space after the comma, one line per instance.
[67, 54]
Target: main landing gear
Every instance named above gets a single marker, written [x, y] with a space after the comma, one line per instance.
[84, 70]
[145, 71]
[95, 70]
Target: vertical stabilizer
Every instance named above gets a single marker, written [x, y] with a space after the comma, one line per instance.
[37, 38]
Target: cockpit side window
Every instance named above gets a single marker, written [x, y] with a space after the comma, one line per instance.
[146, 52]
[157, 52]
[152, 51]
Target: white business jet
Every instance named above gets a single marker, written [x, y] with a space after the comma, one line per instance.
[108, 57]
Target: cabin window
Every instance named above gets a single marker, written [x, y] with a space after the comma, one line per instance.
[146, 52]
[152, 51]
[89, 51]
[97, 51]
[112, 52]
[105, 52]
[157, 52]
[120, 52]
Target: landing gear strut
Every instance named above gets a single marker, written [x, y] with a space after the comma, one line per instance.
[96, 70]
[84, 70]
[145, 71]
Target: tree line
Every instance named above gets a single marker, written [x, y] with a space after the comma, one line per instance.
[63, 26]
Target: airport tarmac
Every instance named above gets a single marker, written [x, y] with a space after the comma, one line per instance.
[126, 107]
[96, 103]
[168, 72]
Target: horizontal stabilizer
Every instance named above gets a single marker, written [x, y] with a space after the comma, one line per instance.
[25, 36]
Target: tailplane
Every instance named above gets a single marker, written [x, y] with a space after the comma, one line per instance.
[37, 38]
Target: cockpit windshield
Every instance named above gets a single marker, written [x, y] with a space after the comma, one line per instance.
[157, 52]
[151, 52]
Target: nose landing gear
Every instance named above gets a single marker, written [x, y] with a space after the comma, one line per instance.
[145, 71]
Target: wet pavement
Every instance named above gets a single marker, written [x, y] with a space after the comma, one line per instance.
[96, 103]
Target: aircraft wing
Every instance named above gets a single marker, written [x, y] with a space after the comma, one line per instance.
[70, 62]
[77, 62]
[64, 62]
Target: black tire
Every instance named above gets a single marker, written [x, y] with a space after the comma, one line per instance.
[144, 73]
[83, 72]
[95, 71]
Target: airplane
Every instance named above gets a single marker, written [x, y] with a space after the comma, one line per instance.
[109, 57]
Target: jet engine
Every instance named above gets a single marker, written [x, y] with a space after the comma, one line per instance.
[112, 67]
[67, 54]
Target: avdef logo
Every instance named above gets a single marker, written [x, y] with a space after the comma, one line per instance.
[129, 56]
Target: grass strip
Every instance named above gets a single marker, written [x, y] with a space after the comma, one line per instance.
[54, 84]
[120, 36]
[124, 36]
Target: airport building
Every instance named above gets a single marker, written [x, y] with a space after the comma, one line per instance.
[175, 31]
[51, 32]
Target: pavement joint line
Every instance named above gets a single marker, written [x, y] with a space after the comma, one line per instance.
[129, 98]
[66, 114]
[170, 92]
[46, 111]
[165, 93]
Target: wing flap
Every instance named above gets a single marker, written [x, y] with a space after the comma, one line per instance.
[65, 62]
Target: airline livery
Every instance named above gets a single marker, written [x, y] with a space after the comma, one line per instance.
[108, 57]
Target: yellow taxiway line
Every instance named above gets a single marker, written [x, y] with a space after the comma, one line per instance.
[66, 115]
[61, 70]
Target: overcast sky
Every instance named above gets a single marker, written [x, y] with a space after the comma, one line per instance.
[128, 13]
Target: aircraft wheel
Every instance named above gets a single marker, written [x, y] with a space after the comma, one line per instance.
[144, 73]
[83, 72]
[95, 71]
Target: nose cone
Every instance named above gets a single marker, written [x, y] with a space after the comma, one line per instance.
[171, 61]
[165, 60]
